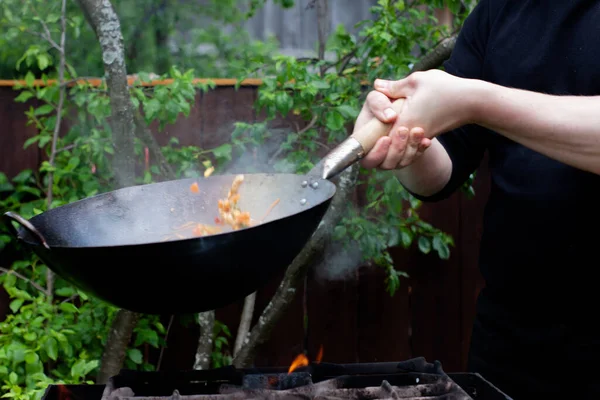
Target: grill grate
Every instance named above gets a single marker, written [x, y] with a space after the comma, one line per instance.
[413, 379]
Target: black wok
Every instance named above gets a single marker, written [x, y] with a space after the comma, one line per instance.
[113, 246]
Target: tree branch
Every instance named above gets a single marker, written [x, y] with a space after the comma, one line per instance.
[162, 348]
[47, 35]
[116, 345]
[437, 55]
[105, 22]
[24, 278]
[206, 320]
[295, 273]
[59, 109]
[245, 322]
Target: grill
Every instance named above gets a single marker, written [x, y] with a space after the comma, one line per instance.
[412, 379]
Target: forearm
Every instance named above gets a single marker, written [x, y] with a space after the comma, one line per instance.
[429, 173]
[565, 128]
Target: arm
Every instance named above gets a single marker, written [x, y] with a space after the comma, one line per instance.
[565, 128]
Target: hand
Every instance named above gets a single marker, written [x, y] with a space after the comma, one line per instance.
[436, 102]
[401, 147]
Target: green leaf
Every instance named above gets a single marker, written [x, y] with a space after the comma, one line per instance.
[30, 336]
[424, 244]
[43, 61]
[151, 109]
[347, 112]
[13, 378]
[68, 307]
[23, 96]
[31, 358]
[442, 249]
[82, 367]
[31, 141]
[29, 78]
[284, 103]
[51, 347]
[43, 110]
[223, 152]
[65, 291]
[135, 355]
[44, 140]
[406, 237]
[16, 304]
[334, 121]
[320, 84]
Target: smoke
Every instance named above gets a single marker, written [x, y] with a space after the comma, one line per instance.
[340, 262]
[264, 158]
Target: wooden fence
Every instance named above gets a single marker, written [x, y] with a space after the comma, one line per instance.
[355, 319]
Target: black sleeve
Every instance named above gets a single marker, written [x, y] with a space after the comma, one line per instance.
[467, 144]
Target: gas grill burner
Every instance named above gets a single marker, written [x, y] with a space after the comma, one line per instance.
[413, 379]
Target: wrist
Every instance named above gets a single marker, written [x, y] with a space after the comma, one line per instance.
[477, 96]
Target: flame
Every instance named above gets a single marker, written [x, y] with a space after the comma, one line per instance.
[300, 361]
[319, 355]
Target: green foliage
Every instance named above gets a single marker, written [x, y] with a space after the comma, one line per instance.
[147, 26]
[220, 354]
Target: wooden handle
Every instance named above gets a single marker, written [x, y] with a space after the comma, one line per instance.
[368, 135]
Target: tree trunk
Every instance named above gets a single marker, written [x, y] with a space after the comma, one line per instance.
[296, 271]
[206, 320]
[103, 19]
[116, 345]
[245, 322]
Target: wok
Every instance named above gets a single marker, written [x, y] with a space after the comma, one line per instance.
[113, 246]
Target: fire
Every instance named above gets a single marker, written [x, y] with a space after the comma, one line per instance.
[319, 355]
[302, 361]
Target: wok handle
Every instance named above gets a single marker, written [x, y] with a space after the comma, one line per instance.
[368, 135]
[12, 216]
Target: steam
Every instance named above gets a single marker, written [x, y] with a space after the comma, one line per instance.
[340, 262]
[266, 158]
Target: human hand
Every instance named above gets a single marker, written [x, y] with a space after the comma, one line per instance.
[435, 102]
[400, 147]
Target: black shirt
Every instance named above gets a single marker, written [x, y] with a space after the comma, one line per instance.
[541, 225]
[541, 238]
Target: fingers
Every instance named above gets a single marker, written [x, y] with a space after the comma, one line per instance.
[375, 157]
[412, 147]
[398, 150]
[380, 106]
[393, 89]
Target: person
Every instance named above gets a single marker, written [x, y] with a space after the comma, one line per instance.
[523, 85]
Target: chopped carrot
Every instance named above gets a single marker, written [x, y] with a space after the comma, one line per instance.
[194, 188]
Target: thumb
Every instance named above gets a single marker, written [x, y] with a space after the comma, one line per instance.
[392, 89]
